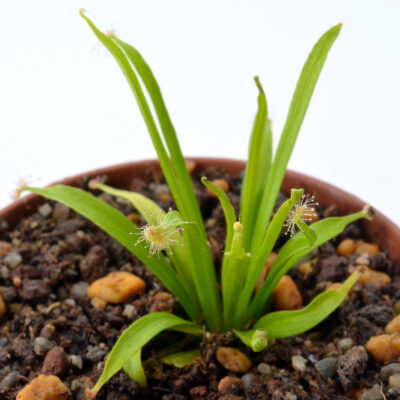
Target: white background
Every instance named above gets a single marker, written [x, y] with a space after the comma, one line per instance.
[65, 107]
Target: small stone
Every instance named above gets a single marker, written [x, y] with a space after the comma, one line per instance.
[373, 394]
[76, 361]
[389, 369]
[8, 292]
[2, 306]
[248, 379]
[346, 247]
[384, 348]
[229, 383]
[163, 301]
[78, 290]
[290, 396]
[95, 353]
[299, 363]
[5, 248]
[394, 381]
[41, 346]
[94, 264]
[9, 380]
[129, 311]
[368, 249]
[393, 326]
[371, 277]
[352, 365]
[44, 388]
[233, 359]
[5, 370]
[264, 368]
[327, 367]
[55, 362]
[345, 343]
[61, 212]
[116, 287]
[45, 210]
[12, 260]
[4, 272]
[287, 295]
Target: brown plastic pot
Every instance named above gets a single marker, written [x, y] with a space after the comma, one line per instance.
[381, 230]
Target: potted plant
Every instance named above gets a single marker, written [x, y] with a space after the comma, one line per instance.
[233, 305]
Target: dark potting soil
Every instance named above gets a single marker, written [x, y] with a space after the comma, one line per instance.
[51, 327]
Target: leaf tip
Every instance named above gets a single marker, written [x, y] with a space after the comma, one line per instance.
[82, 12]
[368, 212]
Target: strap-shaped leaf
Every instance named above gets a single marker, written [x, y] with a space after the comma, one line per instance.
[298, 107]
[281, 324]
[257, 168]
[181, 359]
[138, 335]
[295, 249]
[134, 368]
[120, 228]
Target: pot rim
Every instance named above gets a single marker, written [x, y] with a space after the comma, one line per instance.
[381, 230]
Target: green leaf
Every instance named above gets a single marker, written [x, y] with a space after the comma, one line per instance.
[233, 275]
[256, 339]
[298, 107]
[281, 324]
[133, 367]
[139, 334]
[181, 359]
[230, 216]
[120, 228]
[295, 249]
[260, 258]
[257, 168]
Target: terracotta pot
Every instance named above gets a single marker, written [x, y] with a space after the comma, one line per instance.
[381, 230]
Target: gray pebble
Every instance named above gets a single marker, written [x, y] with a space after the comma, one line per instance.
[345, 343]
[76, 361]
[45, 210]
[12, 260]
[264, 369]
[389, 369]
[373, 394]
[78, 290]
[129, 311]
[69, 303]
[4, 272]
[247, 380]
[3, 342]
[290, 396]
[9, 293]
[41, 346]
[9, 380]
[4, 371]
[327, 367]
[299, 363]
[95, 353]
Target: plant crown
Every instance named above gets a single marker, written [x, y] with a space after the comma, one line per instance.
[183, 262]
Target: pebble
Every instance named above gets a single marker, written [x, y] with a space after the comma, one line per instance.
[4, 371]
[69, 303]
[228, 383]
[78, 290]
[129, 311]
[373, 394]
[12, 260]
[394, 381]
[299, 363]
[287, 295]
[45, 210]
[384, 348]
[2, 306]
[290, 396]
[264, 368]
[95, 353]
[9, 293]
[389, 369]
[345, 343]
[56, 362]
[5, 248]
[44, 388]
[368, 249]
[9, 380]
[41, 346]
[76, 361]
[346, 247]
[393, 326]
[61, 212]
[116, 287]
[327, 367]
[352, 365]
[248, 379]
[4, 272]
[233, 359]
[372, 277]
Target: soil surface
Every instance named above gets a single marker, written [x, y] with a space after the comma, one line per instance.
[51, 327]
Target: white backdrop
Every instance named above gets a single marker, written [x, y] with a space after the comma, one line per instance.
[66, 108]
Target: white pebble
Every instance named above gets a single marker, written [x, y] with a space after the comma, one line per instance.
[45, 210]
[394, 381]
[12, 260]
[299, 363]
[345, 343]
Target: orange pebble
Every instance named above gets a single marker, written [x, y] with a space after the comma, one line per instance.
[286, 295]
[346, 247]
[233, 359]
[393, 326]
[2, 306]
[372, 277]
[5, 248]
[384, 348]
[367, 249]
[116, 287]
[44, 388]
[221, 183]
[190, 165]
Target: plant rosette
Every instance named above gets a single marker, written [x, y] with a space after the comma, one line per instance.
[205, 285]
